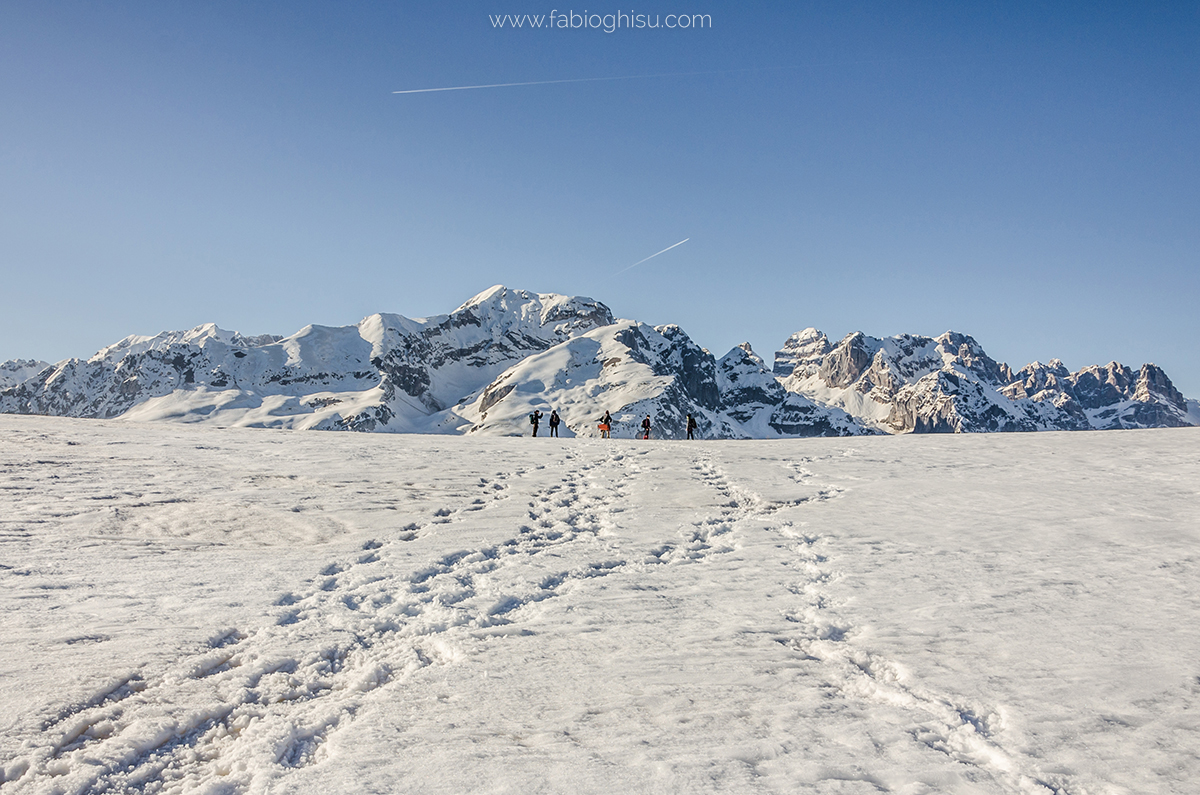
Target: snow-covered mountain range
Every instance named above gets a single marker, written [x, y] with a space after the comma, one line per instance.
[487, 365]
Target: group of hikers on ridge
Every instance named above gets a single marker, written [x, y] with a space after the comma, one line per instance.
[605, 426]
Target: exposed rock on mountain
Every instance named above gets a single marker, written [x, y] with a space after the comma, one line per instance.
[758, 403]
[1103, 397]
[949, 384]
[802, 354]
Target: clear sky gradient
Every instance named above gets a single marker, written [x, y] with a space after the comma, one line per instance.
[1028, 173]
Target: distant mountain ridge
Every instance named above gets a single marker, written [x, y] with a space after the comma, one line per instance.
[948, 383]
[484, 367]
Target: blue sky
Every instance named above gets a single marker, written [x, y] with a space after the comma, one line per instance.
[1028, 173]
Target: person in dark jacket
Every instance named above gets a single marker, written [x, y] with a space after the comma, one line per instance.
[606, 426]
[646, 427]
[691, 426]
[554, 421]
[534, 419]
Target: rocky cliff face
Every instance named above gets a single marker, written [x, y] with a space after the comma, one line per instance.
[1103, 397]
[755, 399]
[802, 354]
[746, 385]
[949, 384]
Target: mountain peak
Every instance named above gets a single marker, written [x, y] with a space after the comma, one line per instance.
[486, 296]
[801, 353]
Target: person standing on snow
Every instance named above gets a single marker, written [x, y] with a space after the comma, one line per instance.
[606, 426]
[554, 421]
[534, 419]
[691, 426]
[646, 427]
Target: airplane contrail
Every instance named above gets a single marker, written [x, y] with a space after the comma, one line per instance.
[664, 74]
[639, 77]
[652, 256]
[594, 79]
[530, 83]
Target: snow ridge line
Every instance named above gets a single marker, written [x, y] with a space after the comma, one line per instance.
[966, 733]
[280, 692]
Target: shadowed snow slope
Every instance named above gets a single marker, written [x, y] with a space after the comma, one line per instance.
[193, 609]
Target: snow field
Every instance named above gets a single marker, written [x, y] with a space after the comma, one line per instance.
[204, 610]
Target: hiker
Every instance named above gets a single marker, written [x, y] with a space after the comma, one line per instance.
[554, 421]
[691, 426]
[646, 427]
[534, 419]
[606, 426]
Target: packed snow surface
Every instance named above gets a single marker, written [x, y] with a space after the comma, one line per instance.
[194, 609]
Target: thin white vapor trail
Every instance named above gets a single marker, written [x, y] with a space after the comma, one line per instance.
[530, 83]
[652, 256]
[665, 74]
[593, 79]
